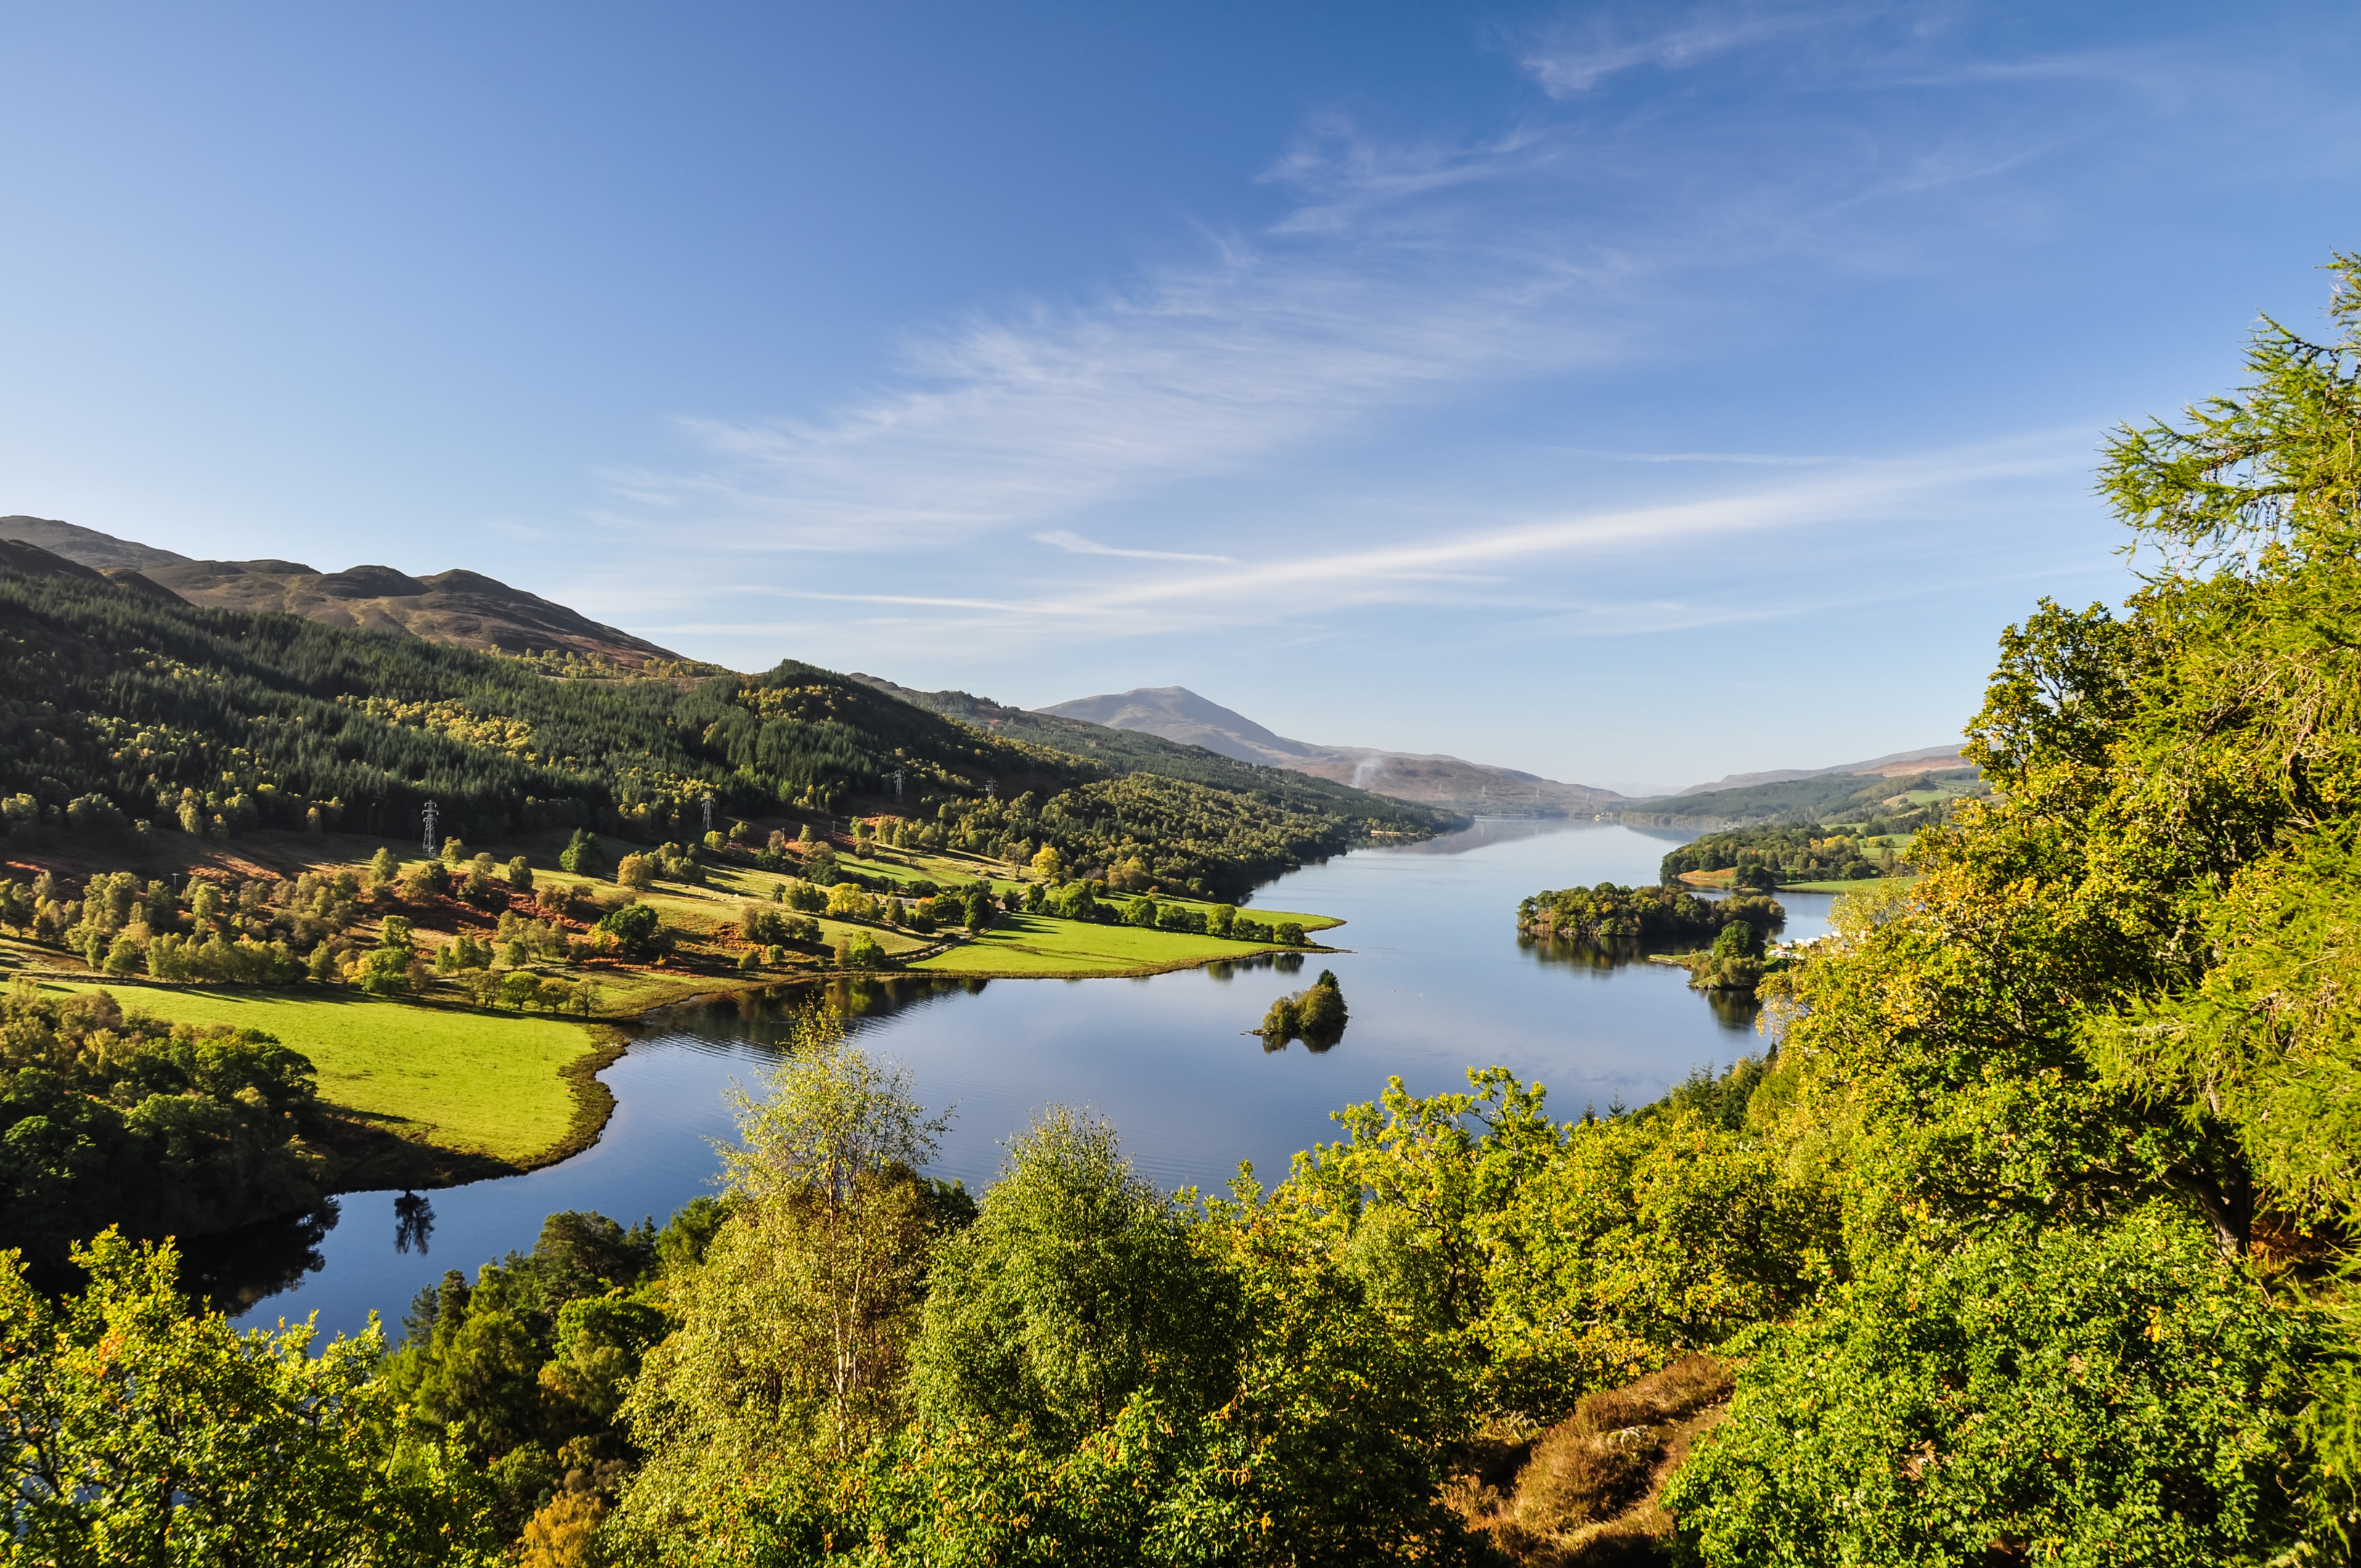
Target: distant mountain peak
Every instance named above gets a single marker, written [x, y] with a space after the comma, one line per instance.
[1176, 713]
[1163, 710]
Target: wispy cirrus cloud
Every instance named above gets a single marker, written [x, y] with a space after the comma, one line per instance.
[1193, 371]
[1406, 274]
[1546, 569]
[1566, 64]
[1761, 459]
[1345, 178]
[1503, 557]
[1075, 544]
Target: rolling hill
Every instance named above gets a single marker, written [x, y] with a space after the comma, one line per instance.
[464, 608]
[1894, 765]
[1816, 797]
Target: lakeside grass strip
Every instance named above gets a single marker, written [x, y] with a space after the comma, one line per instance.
[499, 1084]
[1038, 944]
[1867, 884]
[1721, 882]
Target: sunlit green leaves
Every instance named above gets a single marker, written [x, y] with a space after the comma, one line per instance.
[2052, 1395]
[136, 1429]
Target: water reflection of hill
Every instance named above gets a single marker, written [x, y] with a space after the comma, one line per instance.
[767, 1018]
[1730, 1010]
[1489, 831]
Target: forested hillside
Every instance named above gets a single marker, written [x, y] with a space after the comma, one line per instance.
[1775, 854]
[124, 716]
[1823, 797]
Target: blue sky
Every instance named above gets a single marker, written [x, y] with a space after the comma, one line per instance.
[1630, 393]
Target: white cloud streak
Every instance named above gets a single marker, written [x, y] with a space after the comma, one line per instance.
[1546, 568]
[1196, 372]
[1075, 544]
[1565, 69]
[1866, 492]
[1761, 459]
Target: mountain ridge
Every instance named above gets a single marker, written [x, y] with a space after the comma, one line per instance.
[1139, 750]
[459, 606]
[1433, 779]
[1894, 764]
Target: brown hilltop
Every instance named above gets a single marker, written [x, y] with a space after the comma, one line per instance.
[457, 607]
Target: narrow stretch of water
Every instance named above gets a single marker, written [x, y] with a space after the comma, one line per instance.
[1436, 978]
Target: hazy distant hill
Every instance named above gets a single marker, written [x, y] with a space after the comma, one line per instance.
[1894, 764]
[1139, 752]
[1823, 797]
[1176, 713]
[464, 608]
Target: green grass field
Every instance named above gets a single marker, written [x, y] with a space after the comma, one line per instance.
[484, 1082]
[1722, 879]
[1866, 885]
[1038, 945]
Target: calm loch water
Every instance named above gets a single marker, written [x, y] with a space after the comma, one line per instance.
[1435, 977]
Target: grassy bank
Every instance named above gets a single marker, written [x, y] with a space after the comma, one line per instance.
[1724, 879]
[1023, 944]
[491, 1084]
[1871, 884]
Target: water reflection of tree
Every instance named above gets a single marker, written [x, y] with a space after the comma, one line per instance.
[1224, 970]
[1611, 954]
[1732, 1009]
[767, 1018]
[236, 1269]
[413, 1222]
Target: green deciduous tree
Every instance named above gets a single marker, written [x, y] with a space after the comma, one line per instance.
[792, 1333]
[2106, 1030]
[636, 928]
[1077, 1286]
[582, 855]
[137, 1428]
[2124, 1397]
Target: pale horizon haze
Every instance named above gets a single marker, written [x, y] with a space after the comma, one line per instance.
[1632, 394]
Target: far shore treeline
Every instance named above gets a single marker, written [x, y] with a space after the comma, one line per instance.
[1648, 916]
[1771, 855]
